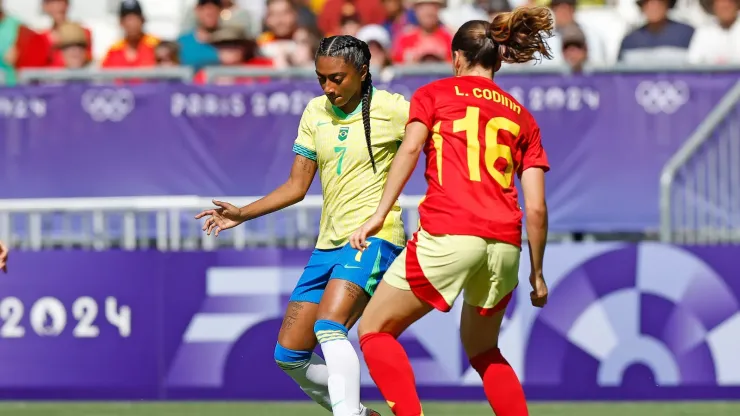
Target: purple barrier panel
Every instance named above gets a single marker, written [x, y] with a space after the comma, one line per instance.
[77, 324]
[624, 322]
[608, 137]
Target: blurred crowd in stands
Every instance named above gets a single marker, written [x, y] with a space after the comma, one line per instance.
[285, 33]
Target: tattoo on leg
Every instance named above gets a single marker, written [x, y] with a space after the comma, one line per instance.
[292, 316]
[353, 290]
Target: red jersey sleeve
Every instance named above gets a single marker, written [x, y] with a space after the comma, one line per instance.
[534, 154]
[422, 108]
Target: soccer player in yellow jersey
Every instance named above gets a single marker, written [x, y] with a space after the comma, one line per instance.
[350, 135]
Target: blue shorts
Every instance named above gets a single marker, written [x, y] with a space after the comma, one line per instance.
[345, 263]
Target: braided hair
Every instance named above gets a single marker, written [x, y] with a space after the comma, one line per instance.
[356, 53]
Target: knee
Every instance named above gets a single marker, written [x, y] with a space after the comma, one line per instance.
[364, 329]
[371, 324]
[327, 330]
[288, 359]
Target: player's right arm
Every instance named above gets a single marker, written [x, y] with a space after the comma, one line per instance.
[532, 174]
[301, 174]
[290, 192]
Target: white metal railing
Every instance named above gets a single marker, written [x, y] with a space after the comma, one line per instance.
[700, 184]
[182, 74]
[185, 74]
[213, 73]
[168, 220]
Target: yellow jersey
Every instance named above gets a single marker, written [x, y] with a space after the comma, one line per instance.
[336, 141]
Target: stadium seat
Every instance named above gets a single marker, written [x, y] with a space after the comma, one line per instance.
[163, 29]
[609, 23]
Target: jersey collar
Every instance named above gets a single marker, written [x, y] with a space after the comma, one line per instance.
[343, 116]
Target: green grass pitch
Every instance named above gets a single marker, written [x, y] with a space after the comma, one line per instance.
[310, 409]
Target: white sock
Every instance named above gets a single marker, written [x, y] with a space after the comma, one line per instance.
[344, 377]
[313, 378]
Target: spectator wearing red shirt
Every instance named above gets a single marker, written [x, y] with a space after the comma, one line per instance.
[234, 49]
[136, 49]
[370, 12]
[20, 47]
[57, 10]
[415, 45]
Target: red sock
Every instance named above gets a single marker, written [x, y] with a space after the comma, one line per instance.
[502, 387]
[391, 370]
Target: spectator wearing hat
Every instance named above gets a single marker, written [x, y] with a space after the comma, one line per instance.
[575, 48]
[231, 14]
[718, 43]
[379, 42]
[72, 43]
[20, 47]
[370, 12]
[660, 40]
[57, 10]
[234, 48]
[195, 46]
[429, 37]
[136, 49]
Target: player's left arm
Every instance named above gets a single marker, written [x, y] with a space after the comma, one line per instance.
[420, 116]
[532, 175]
[403, 166]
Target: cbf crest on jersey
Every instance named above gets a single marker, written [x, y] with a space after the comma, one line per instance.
[343, 133]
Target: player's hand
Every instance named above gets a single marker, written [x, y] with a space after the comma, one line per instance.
[3, 258]
[222, 218]
[358, 239]
[538, 295]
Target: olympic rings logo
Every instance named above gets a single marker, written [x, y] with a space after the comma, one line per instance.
[108, 104]
[662, 96]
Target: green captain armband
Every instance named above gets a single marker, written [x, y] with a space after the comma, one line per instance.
[303, 151]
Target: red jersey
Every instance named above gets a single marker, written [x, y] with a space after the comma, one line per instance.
[119, 56]
[412, 46]
[479, 136]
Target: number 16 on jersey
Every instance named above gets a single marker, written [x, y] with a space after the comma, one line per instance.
[495, 153]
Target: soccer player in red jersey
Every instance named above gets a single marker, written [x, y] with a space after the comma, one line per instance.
[475, 136]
